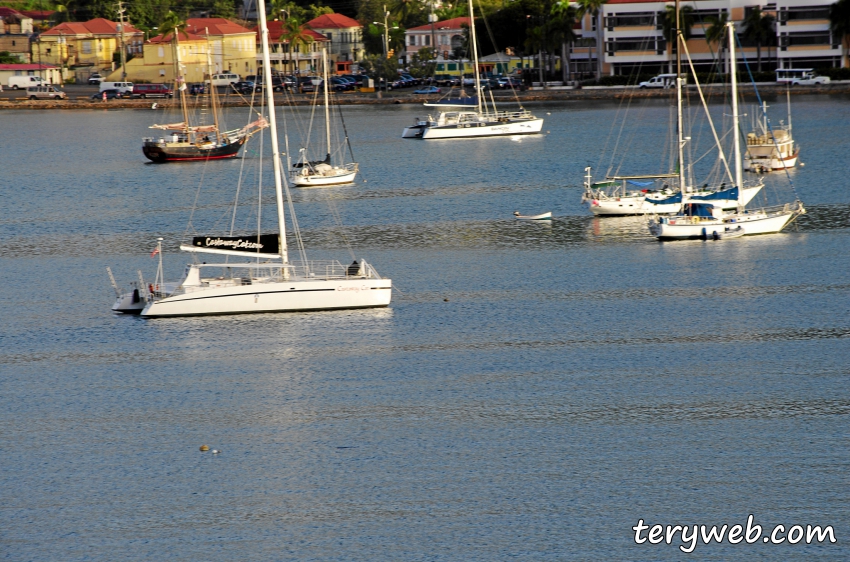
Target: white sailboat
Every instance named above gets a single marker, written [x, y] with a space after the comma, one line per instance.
[266, 281]
[322, 173]
[703, 220]
[663, 193]
[483, 121]
[770, 148]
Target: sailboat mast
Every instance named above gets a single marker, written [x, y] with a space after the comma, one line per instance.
[212, 88]
[739, 172]
[180, 82]
[474, 56]
[325, 79]
[278, 178]
[679, 120]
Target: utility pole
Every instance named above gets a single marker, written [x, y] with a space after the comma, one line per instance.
[432, 19]
[121, 11]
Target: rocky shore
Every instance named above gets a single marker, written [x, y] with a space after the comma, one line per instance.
[17, 100]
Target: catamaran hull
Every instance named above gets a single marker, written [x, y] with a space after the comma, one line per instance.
[640, 205]
[323, 181]
[474, 129]
[284, 296]
[176, 152]
[688, 228]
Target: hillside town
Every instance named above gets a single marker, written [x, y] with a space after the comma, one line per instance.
[540, 44]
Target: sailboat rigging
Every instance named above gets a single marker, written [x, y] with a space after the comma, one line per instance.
[480, 122]
[189, 141]
[704, 220]
[321, 173]
[267, 281]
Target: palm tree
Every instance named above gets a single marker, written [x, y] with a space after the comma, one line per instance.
[173, 25]
[594, 8]
[839, 24]
[64, 8]
[535, 40]
[758, 27]
[668, 26]
[295, 33]
[715, 33]
[564, 25]
[405, 10]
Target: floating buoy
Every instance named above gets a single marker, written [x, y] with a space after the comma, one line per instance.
[215, 451]
[153, 106]
[445, 300]
[802, 164]
[205, 448]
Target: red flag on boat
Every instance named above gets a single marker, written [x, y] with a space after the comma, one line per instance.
[155, 252]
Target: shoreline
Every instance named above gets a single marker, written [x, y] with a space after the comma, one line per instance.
[407, 98]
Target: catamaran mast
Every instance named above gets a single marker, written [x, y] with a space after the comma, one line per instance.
[278, 181]
[679, 120]
[325, 78]
[212, 88]
[739, 171]
[474, 56]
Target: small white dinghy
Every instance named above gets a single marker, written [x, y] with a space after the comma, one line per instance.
[540, 217]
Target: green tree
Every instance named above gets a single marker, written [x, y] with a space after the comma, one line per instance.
[758, 27]
[7, 58]
[594, 8]
[564, 18]
[839, 24]
[64, 10]
[295, 33]
[668, 26]
[714, 34]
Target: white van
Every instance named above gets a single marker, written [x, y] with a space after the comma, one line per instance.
[224, 79]
[123, 87]
[662, 81]
[24, 82]
[45, 92]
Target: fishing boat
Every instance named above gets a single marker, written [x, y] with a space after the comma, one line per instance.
[701, 220]
[480, 120]
[771, 148]
[322, 173]
[264, 280]
[540, 217]
[187, 141]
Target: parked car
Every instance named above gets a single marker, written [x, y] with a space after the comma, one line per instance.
[305, 84]
[95, 78]
[224, 79]
[110, 95]
[427, 90]
[48, 91]
[510, 82]
[151, 91]
[198, 88]
[410, 79]
[446, 80]
[123, 87]
[246, 87]
[23, 82]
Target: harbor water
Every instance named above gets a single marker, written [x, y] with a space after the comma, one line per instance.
[532, 392]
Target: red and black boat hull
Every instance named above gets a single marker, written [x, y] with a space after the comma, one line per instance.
[161, 152]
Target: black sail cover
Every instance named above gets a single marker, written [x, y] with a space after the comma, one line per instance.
[251, 244]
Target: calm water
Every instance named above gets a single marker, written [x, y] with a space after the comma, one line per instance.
[530, 394]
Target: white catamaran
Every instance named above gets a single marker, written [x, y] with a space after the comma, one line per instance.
[704, 220]
[482, 122]
[266, 281]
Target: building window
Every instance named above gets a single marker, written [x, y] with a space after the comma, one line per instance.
[86, 47]
[161, 52]
[427, 40]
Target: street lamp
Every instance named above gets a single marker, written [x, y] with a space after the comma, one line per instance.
[386, 27]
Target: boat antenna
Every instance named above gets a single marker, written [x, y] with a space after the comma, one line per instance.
[679, 136]
[474, 56]
[278, 177]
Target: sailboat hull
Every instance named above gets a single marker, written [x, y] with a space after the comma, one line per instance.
[694, 228]
[641, 205]
[483, 128]
[320, 180]
[281, 296]
[162, 151]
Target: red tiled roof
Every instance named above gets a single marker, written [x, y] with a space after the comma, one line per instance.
[97, 26]
[276, 30]
[38, 14]
[25, 66]
[634, 1]
[216, 26]
[454, 23]
[182, 37]
[6, 12]
[333, 21]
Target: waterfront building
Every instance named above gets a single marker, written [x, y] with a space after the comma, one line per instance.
[15, 34]
[88, 44]
[232, 48]
[302, 59]
[345, 39]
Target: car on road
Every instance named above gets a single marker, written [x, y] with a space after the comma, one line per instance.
[95, 78]
[810, 79]
[246, 87]
[427, 90]
[151, 91]
[510, 82]
[110, 95]
[48, 91]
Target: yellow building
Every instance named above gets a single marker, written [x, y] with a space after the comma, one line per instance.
[231, 47]
[90, 43]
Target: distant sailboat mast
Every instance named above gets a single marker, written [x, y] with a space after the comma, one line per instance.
[474, 56]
